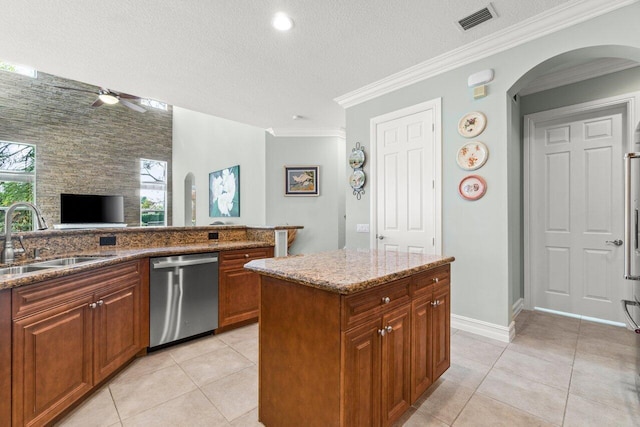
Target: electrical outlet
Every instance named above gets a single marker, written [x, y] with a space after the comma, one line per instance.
[108, 241]
[362, 228]
[213, 236]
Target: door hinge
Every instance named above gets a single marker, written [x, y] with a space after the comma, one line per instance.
[433, 183]
[433, 127]
[433, 241]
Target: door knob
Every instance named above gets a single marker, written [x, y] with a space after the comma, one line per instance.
[379, 237]
[614, 242]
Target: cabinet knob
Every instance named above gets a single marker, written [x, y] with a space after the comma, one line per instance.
[435, 303]
[386, 300]
[100, 302]
[389, 329]
[382, 332]
[93, 305]
[246, 255]
[436, 280]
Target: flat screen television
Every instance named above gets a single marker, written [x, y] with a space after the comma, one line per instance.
[91, 210]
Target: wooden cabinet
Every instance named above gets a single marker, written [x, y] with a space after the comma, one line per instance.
[239, 289]
[5, 358]
[384, 346]
[430, 314]
[71, 333]
[377, 355]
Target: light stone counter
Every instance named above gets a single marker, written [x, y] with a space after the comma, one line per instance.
[346, 271]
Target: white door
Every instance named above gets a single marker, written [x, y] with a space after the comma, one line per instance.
[405, 177]
[576, 214]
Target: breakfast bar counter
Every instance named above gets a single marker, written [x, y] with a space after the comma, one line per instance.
[350, 337]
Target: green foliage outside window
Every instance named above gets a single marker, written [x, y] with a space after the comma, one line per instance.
[17, 172]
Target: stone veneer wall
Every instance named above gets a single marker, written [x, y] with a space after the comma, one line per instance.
[79, 148]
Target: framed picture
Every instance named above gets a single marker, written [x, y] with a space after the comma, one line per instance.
[302, 181]
[224, 192]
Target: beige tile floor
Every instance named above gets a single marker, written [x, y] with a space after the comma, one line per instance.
[558, 371]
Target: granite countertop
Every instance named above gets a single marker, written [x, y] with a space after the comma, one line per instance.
[108, 257]
[346, 271]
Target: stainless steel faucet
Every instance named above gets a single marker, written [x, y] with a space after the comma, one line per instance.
[7, 255]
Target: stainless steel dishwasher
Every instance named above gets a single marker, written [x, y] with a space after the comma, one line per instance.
[183, 297]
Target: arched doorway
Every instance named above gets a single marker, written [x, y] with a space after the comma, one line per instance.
[578, 82]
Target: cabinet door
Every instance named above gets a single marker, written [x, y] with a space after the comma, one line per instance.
[396, 363]
[361, 376]
[116, 328]
[421, 347]
[239, 289]
[441, 330]
[51, 361]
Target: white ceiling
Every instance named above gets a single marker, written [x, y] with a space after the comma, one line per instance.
[223, 58]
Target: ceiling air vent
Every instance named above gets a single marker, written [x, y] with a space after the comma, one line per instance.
[477, 18]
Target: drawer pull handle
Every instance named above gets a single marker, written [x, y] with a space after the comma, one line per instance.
[382, 332]
[436, 280]
[386, 300]
[389, 329]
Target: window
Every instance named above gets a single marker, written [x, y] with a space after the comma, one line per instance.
[153, 192]
[18, 69]
[153, 103]
[17, 182]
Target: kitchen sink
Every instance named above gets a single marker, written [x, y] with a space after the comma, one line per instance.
[46, 265]
[63, 262]
[21, 269]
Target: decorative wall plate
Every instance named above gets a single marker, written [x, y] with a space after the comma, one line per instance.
[472, 187]
[472, 124]
[472, 156]
[356, 180]
[356, 158]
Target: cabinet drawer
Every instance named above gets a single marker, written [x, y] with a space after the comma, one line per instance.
[423, 283]
[374, 301]
[31, 299]
[243, 256]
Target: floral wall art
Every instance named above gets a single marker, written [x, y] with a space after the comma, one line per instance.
[224, 192]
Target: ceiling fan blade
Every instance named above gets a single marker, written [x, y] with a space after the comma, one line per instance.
[133, 106]
[97, 103]
[127, 96]
[76, 89]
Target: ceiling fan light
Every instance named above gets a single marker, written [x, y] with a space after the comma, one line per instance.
[108, 98]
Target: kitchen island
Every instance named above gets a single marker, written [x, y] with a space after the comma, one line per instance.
[350, 337]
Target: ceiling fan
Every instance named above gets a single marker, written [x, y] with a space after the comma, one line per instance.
[110, 97]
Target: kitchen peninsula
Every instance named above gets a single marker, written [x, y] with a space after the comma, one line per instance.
[73, 318]
[350, 337]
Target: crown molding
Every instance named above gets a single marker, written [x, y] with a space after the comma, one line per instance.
[280, 132]
[558, 18]
[578, 73]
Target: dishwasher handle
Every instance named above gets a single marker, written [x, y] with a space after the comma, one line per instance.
[185, 263]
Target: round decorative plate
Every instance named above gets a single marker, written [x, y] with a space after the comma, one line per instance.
[356, 180]
[472, 124]
[356, 159]
[472, 187]
[472, 156]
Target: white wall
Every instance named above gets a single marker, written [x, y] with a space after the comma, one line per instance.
[322, 216]
[203, 144]
[481, 234]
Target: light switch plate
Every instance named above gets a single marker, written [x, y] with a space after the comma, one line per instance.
[362, 228]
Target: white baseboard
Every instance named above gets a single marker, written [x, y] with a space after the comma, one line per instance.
[485, 329]
[518, 306]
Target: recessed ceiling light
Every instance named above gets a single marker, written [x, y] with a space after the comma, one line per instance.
[282, 22]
